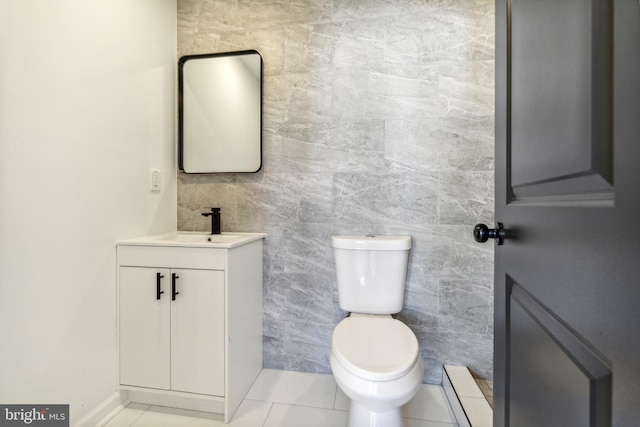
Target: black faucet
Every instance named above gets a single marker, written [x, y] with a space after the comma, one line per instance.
[215, 220]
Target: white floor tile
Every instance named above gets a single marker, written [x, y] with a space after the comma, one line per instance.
[342, 401]
[251, 413]
[127, 416]
[160, 416]
[409, 422]
[290, 399]
[297, 416]
[431, 404]
[295, 388]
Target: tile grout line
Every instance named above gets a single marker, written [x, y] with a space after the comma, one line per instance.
[268, 413]
[140, 416]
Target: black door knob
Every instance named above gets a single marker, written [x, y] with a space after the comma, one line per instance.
[482, 233]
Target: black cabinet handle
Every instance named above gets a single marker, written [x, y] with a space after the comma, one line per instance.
[174, 278]
[159, 292]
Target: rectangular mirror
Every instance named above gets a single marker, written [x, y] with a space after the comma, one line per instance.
[220, 112]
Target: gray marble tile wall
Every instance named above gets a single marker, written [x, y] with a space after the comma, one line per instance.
[378, 118]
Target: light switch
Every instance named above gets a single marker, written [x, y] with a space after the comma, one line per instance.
[154, 180]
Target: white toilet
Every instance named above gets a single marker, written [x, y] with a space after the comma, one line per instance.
[375, 358]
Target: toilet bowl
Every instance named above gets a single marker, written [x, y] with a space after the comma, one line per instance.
[376, 362]
[375, 358]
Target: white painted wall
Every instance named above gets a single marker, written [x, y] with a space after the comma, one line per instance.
[86, 108]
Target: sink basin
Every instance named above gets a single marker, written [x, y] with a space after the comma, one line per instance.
[206, 238]
[196, 239]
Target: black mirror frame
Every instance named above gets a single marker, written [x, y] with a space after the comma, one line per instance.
[181, 63]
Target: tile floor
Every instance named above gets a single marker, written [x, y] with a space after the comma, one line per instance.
[288, 399]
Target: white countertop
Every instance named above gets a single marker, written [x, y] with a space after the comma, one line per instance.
[194, 239]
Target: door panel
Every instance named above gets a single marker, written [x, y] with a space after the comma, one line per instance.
[567, 278]
[542, 366]
[560, 140]
[555, 366]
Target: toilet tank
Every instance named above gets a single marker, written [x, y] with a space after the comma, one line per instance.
[371, 272]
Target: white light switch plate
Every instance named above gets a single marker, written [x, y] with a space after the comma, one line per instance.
[154, 180]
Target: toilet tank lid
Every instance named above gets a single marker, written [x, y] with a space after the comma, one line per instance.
[372, 243]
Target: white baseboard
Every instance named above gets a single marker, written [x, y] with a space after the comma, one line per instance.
[109, 407]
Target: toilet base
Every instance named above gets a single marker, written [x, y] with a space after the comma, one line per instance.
[384, 400]
[361, 416]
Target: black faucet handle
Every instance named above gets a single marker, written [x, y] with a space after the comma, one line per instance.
[213, 212]
[215, 220]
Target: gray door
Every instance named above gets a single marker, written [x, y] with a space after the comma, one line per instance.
[567, 295]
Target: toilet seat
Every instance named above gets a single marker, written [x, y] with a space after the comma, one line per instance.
[374, 347]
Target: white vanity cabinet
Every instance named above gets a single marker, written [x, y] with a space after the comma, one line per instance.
[172, 342]
[190, 321]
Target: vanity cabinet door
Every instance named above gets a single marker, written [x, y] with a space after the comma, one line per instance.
[144, 327]
[197, 331]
